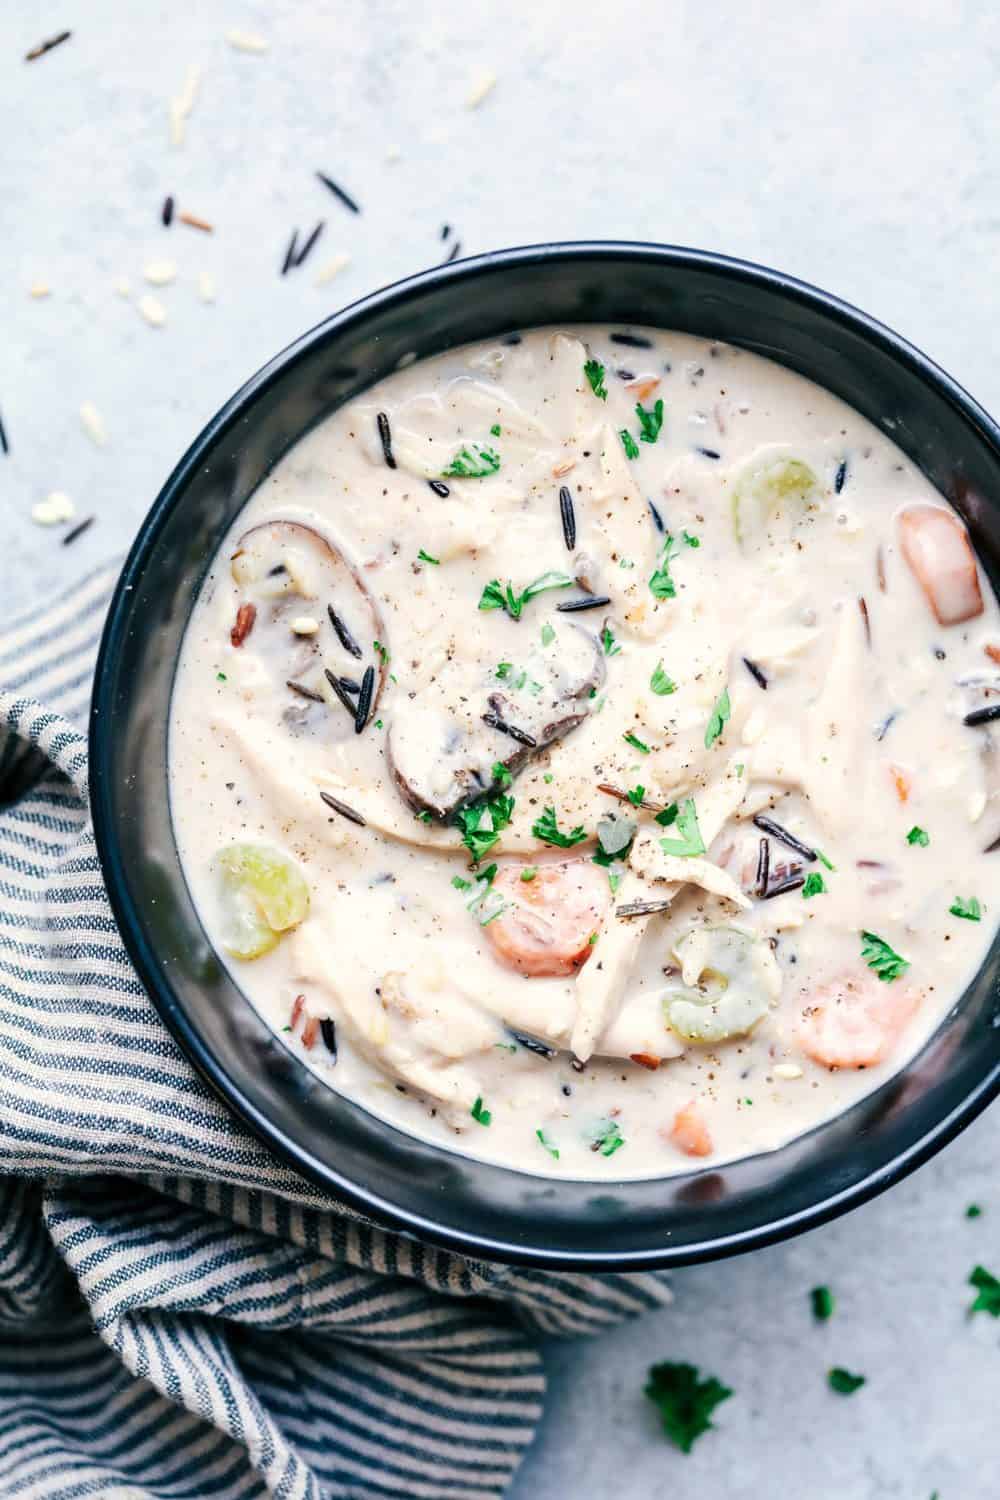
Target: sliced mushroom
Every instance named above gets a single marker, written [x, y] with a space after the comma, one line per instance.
[313, 619]
[443, 744]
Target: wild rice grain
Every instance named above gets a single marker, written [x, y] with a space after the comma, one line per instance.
[633, 340]
[567, 515]
[342, 808]
[46, 46]
[439, 488]
[341, 695]
[589, 601]
[523, 738]
[385, 435]
[344, 636]
[365, 699]
[329, 1033]
[755, 672]
[338, 192]
[78, 530]
[768, 825]
[167, 211]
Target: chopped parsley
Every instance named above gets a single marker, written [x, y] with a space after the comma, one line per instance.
[719, 719]
[614, 881]
[918, 835]
[528, 874]
[548, 778]
[592, 939]
[378, 723]
[607, 1137]
[221, 677]
[649, 421]
[501, 775]
[481, 823]
[611, 646]
[987, 1292]
[690, 841]
[970, 910]
[423, 817]
[495, 429]
[661, 683]
[473, 462]
[548, 634]
[822, 1302]
[667, 816]
[546, 828]
[881, 959]
[685, 1402]
[380, 651]
[479, 1114]
[503, 669]
[843, 1382]
[819, 853]
[426, 557]
[636, 743]
[636, 795]
[661, 584]
[814, 885]
[495, 596]
[552, 1150]
[594, 372]
[629, 443]
[691, 541]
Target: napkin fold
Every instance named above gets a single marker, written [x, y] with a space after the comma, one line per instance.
[181, 1314]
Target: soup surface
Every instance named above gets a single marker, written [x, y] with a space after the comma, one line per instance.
[581, 751]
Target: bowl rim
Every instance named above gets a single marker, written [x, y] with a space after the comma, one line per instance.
[361, 1196]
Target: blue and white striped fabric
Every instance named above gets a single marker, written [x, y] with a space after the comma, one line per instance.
[180, 1314]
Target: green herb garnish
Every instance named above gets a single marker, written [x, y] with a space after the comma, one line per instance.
[546, 828]
[719, 719]
[614, 881]
[685, 1402]
[823, 1304]
[692, 541]
[495, 596]
[973, 1211]
[495, 429]
[528, 874]
[883, 960]
[548, 778]
[221, 677]
[423, 817]
[473, 462]
[660, 682]
[607, 1137]
[479, 1114]
[481, 823]
[594, 372]
[649, 421]
[970, 910]
[552, 1150]
[629, 443]
[814, 885]
[426, 557]
[380, 651]
[636, 795]
[503, 669]
[636, 743]
[548, 634]
[918, 835]
[819, 853]
[690, 841]
[501, 775]
[843, 1382]
[661, 584]
[667, 816]
[611, 646]
[988, 1292]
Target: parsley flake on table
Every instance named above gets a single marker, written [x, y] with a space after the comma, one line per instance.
[650, 421]
[719, 719]
[970, 910]
[495, 429]
[496, 596]
[660, 683]
[546, 828]
[814, 885]
[918, 835]
[611, 646]
[629, 443]
[594, 372]
[822, 1302]
[552, 1150]
[685, 1402]
[973, 1211]
[843, 1382]
[884, 961]
[481, 823]
[479, 1114]
[987, 1290]
[636, 743]
[426, 557]
[690, 841]
[476, 461]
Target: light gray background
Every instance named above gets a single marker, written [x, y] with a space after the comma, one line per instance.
[854, 144]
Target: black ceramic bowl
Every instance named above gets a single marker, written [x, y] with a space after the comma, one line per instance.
[472, 1206]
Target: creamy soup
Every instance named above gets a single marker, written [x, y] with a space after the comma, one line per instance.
[581, 752]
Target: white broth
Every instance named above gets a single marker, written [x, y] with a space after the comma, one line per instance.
[569, 752]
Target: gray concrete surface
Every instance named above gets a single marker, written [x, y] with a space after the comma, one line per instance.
[850, 143]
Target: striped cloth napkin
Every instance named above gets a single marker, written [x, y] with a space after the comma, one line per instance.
[181, 1315]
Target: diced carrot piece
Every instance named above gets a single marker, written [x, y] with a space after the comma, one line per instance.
[902, 781]
[689, 1132]
[643, 389]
